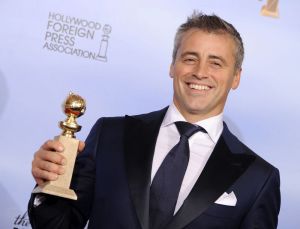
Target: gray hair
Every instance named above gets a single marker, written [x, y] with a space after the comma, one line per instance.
[211, 24]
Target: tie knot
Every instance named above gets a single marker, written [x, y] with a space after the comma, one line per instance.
[187, 129]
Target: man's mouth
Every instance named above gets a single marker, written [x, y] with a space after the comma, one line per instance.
[199, 87]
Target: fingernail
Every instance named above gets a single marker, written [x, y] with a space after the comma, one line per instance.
[60, 148]
[64, 162]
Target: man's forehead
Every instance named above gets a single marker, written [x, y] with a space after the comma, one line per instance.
[192, 36]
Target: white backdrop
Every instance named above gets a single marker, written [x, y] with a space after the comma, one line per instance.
[119, 62]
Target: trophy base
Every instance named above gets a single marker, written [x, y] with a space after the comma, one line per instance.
[265, 12]
[56, 191]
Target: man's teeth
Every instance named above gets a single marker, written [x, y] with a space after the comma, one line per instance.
[198, 87]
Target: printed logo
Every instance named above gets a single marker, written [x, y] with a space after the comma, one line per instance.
[77, 37]
[22, 222]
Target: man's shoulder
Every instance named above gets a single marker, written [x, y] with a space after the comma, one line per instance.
[150, 115]
[238, 147]
[143, 116]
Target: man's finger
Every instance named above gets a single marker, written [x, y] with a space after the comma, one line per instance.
[39, 181]
[53, 145]
[50, 156]
[50, 167]
[39, 174]
[81, 146]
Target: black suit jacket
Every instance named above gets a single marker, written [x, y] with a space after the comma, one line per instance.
[112, 181]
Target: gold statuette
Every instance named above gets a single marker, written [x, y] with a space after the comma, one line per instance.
[74, 107]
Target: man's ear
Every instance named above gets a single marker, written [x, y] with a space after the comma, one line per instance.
[236, 80]
[171, 71]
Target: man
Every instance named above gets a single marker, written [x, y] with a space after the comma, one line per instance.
[125, 176]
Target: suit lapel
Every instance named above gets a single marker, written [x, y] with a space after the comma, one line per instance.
[140, 138]
[221, 170]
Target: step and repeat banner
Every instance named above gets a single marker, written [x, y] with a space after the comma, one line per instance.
[116, 54]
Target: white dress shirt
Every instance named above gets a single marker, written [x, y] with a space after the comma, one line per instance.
[201, 146]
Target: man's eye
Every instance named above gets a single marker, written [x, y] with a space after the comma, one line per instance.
[189, 60]
[216, 64]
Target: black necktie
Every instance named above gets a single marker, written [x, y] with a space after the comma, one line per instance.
[167, 181]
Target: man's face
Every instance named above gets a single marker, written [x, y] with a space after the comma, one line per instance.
[203, 74]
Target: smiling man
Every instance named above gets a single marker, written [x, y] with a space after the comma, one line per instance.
[179, 167]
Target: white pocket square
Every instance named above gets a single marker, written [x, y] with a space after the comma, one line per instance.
[227, 199]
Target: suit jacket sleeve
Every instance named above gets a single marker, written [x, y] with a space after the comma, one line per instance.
[264, 212]
[56, 212]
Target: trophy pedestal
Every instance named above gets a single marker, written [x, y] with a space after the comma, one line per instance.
[56, 191]
[267, 12]
[61, 186]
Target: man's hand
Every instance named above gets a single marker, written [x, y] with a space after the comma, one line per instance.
[48, 161]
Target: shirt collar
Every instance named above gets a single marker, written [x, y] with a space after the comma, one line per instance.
[213, 125]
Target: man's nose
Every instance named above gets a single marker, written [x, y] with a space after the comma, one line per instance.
[200, 71]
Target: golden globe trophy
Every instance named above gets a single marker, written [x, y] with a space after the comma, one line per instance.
[74, 107]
